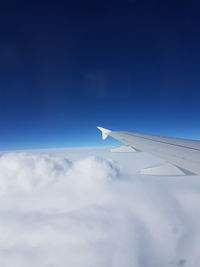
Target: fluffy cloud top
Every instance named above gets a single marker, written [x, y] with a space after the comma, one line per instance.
[89, 212]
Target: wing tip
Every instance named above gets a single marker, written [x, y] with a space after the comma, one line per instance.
[105, 132]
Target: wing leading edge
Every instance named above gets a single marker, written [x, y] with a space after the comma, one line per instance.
[183, 154]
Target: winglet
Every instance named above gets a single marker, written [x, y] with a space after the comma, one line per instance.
[105, 132]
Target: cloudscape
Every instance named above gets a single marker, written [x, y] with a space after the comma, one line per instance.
[59, 210]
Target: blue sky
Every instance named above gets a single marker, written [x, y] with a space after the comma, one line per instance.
[67, 67]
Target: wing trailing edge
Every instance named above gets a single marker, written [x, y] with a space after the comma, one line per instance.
[123, 149]
[166, 169]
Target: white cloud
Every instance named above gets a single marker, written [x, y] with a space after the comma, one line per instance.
[90, 211]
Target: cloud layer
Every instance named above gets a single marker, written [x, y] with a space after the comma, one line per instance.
[88, 212]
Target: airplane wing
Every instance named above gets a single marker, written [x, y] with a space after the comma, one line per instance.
[182, 156]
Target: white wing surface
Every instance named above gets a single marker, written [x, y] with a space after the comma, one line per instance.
[182, 156]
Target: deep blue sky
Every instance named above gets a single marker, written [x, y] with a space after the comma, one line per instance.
[69, 66]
